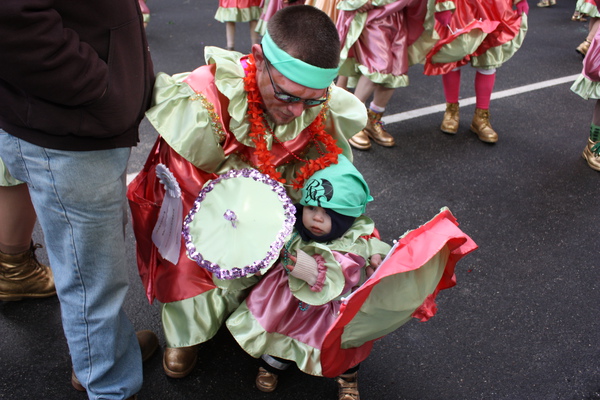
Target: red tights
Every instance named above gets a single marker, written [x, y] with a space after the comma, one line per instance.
[484, 86]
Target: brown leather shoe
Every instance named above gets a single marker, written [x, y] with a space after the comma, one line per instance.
[22, 275]
[178, 362]
[375, 130]
[451, 119]
[481, 126]
[360, 141]
[591, 153]
[348, 386]
[148, 345]
[266, 381]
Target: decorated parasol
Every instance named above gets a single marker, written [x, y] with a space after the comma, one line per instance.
[238, 224]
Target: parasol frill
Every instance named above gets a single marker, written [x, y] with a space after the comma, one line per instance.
[238, 224]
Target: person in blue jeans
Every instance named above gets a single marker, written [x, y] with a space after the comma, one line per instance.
[75, 81]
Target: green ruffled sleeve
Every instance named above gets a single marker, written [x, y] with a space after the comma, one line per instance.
[182, 118]
[354, 242]
[334, 280]
[347, 114]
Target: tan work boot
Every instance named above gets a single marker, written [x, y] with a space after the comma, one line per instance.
[360, 141]
[22, 275]
[348, 386]
[266, 381]
[375, 130]
[451, 119]
[482, 127]
[591, 153]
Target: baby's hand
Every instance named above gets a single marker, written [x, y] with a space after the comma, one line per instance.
[368, 6]
[293, 260]
[375, 262]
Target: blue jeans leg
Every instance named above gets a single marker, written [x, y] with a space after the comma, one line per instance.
[80, 201]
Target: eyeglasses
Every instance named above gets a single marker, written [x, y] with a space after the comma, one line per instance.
[288, 98]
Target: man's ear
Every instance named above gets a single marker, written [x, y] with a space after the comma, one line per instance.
[259, 57]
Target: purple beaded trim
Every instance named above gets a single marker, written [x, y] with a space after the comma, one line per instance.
[274, 248]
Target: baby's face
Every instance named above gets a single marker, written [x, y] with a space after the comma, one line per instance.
[316, 220]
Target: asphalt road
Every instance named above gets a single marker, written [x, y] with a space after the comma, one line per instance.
[523, 321]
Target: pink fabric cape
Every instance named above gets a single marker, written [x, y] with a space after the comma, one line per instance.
[413, 251]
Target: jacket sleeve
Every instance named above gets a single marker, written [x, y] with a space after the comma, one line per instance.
[45, 58]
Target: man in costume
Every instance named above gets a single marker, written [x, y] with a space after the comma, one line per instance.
[275, 110]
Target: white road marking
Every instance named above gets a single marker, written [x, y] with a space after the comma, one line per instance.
[390, 119]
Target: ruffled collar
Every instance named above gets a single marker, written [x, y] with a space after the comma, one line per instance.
[229, 79]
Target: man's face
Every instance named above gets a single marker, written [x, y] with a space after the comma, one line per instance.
[279, 112]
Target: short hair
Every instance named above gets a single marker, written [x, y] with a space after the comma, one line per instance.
[306, 33]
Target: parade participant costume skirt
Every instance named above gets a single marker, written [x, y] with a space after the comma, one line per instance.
[238, 10]
[587, 84]
[376, 43]
[485, 34]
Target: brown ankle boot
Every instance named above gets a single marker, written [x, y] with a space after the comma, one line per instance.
[22, 275]
[266, 381]
[348, 386]
[451, 119]
[178, 362]
[375, 130]
[482, 127]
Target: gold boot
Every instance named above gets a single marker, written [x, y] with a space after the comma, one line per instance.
[451, 119]
[583, 47]
[482, 127]
[360, 141]
[591, 153]
[375, 130]
[22, 275]
[266, 381]
[348, 386]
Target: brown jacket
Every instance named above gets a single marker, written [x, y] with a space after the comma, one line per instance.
[74, 75]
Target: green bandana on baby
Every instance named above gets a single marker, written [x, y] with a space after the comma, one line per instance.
[339, 187]
[297, 70]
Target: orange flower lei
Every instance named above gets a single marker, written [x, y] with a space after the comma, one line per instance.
[258, 128]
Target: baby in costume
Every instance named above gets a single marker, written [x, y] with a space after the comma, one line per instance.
[286, 316]
[320, 307]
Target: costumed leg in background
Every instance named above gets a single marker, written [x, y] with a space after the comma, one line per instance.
[592, 150]
[587, 85]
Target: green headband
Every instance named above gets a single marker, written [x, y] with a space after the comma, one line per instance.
[297, 70]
